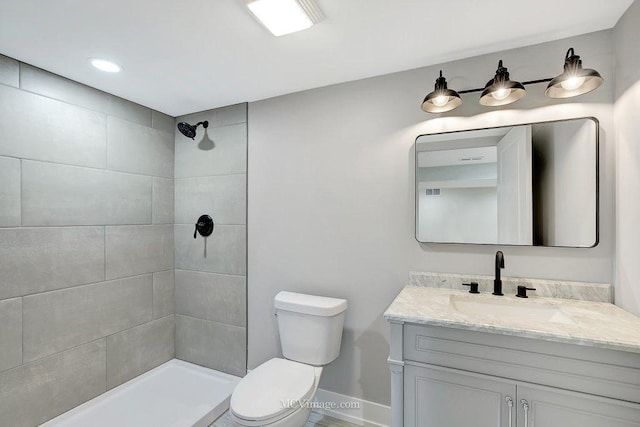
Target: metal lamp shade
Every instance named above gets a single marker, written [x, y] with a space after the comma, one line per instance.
[499, 83]
[560, 86]
[452, 103]
[431, 104]
[516, 92]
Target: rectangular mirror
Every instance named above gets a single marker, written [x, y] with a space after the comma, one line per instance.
[530, 185]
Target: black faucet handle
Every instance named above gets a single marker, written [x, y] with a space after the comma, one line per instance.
[473, 287]
[522, 291]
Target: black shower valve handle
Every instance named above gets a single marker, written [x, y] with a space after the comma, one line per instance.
[199, 225]
[204, 226]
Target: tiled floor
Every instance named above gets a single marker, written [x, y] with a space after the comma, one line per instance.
[315, 420]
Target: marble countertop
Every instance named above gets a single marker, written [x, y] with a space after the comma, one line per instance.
[589, 323]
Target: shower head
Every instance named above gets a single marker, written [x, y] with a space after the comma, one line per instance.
[190, 130]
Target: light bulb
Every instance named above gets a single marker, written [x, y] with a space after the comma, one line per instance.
[501, 93]
[572, 83]
[104, 65]
[440, 100]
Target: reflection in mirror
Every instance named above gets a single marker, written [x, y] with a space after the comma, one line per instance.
[534, 184]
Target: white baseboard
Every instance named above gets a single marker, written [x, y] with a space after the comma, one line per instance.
[370, 414]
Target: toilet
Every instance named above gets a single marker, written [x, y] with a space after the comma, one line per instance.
[274, 393]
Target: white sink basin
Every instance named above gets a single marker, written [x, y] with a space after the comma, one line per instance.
[508, 308]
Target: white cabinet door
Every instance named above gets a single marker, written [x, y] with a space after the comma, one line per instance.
[440, 397]
[552, 407]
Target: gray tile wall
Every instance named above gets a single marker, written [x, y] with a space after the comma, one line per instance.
[138, 249]
[54, 194]
[9, 192]
[86, 242]
[57, 320]
[38, 391]
[210, 275]
[134, 351]
[212, 344]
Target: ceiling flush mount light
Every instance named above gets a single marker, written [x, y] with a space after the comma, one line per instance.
[575, 80]
[442, 99]
[282, 17]
[104, 65]
[501, 90]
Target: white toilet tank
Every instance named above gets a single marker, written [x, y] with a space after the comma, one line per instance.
[310, 327]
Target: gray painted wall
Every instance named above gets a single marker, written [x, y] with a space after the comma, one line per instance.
[332, 205]
[628, 159]
[86, 242]
[210, 278]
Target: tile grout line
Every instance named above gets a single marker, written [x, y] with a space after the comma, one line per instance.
[132, 327]
[106, 143]
[22, 330]
[94, 340]
[21, 194]
[153, 195]
[212, 321]
[93, 168]
[211, 176]
[104, 248]
[79, 285]
[106, 364]
[210, 272]
[53, 354]
[153, 293]
[146, 224]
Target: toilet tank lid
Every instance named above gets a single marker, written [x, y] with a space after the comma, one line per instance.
[309, 304]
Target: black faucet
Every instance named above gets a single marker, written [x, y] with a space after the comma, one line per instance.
[497, 283]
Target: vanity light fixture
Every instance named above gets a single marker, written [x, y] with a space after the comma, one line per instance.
[282, 17]
[105, 65]
[442, 99]
[501, 90]
[575, 80]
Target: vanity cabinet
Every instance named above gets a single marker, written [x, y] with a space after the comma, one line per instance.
[448, 398]
[551, 407]
[436, 396]
[448, 377]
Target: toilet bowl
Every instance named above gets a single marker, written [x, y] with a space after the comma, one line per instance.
[277, 393]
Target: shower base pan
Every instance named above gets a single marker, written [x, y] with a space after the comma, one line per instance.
[175, 394]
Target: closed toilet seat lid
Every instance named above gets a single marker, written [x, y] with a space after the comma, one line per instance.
[273, 390]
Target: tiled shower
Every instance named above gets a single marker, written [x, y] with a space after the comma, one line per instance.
[211, 178]
[87, 246]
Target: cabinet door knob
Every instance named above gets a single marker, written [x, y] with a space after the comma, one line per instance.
[509, 401]
[525, 407]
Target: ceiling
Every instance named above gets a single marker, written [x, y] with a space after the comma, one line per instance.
[183, 56]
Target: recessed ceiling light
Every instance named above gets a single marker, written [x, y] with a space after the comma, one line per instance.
[285, 16]
[104, 65]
